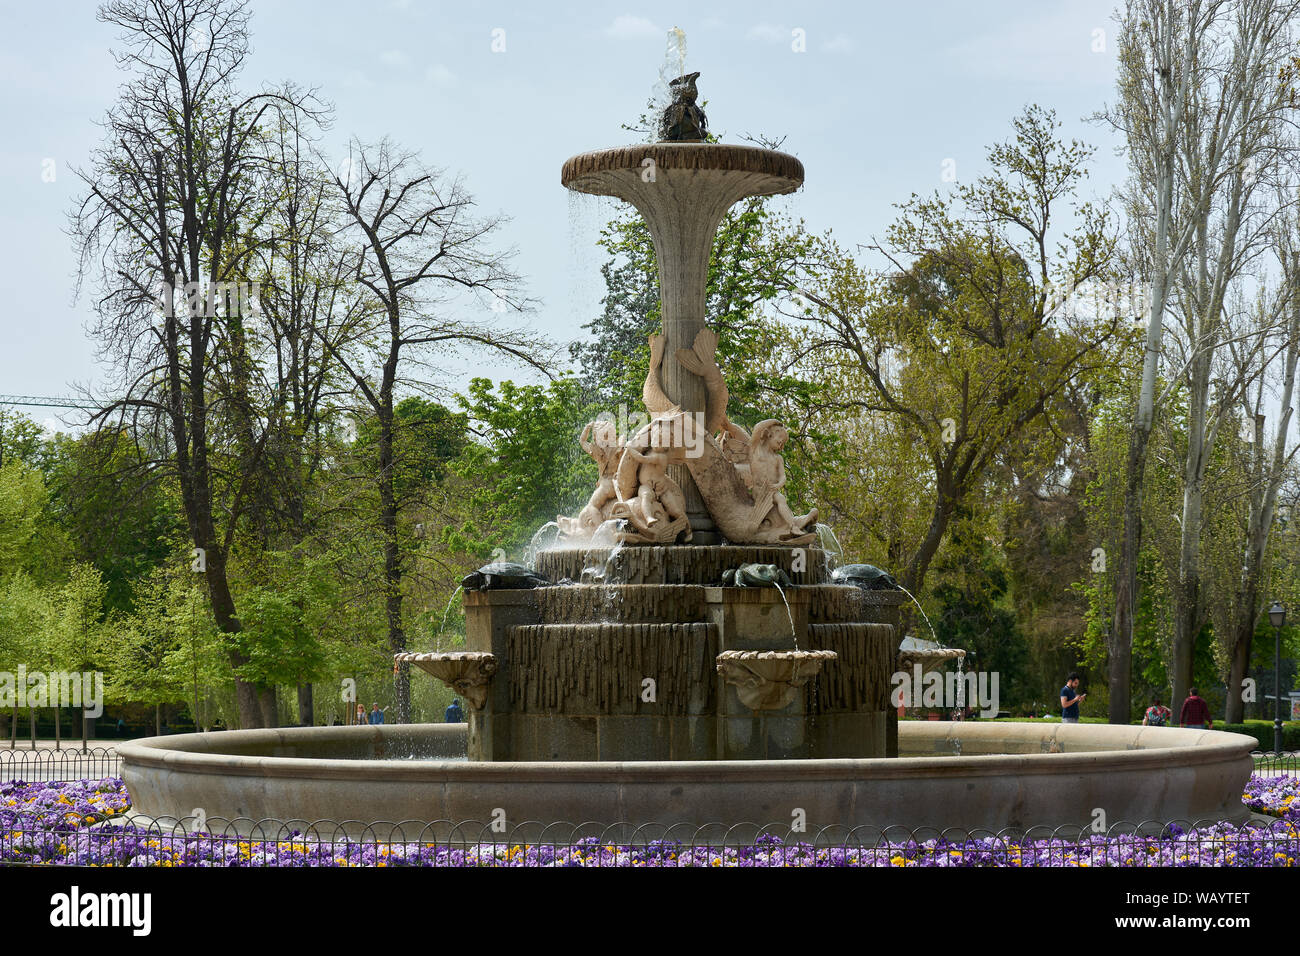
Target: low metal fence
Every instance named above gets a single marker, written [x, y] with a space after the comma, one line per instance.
[71, 810]
[49, 764]
[273, 843]
[97, 762]
[1286, 764]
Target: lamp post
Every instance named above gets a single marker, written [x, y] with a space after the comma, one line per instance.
[1277, 617]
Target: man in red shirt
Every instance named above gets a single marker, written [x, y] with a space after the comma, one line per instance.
[1196, 712]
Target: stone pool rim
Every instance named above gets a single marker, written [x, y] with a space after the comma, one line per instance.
[1197, 774]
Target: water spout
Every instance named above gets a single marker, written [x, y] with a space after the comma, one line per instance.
[443, 626]
[923, 614]
[530, 552]
[825, 531]
[790, 614]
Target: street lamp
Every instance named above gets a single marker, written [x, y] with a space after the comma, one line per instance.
[1277, 617]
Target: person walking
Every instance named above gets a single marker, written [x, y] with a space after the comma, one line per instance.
[1195, 712]
[1157, 715]
[1070, 698]
[376, 715]
[361, 714]
[453, 713]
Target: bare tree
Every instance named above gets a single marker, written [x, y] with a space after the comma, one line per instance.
[170, 215]
[422, 256]
[1184, 105]
[1272, 354]
[1230, 231]
[308, 305]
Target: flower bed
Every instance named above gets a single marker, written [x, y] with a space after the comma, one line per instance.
[53, 823]
[1275, 796]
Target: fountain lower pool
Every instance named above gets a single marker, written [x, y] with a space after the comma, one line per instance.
[1009, 776]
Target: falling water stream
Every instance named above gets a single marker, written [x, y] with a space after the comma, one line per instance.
[443, 626]
[789, 614]
[531, 552]
[600, 572]
[825, 531]
[923, 614]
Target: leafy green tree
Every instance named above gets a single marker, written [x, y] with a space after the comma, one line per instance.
[973, 337]
[527, 466]
[21, 439]
[974, 612]
[118, 516]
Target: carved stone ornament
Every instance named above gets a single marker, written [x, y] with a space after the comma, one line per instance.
[770, 680]
[468, 673]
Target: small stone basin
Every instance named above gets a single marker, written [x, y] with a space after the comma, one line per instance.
[468, 673]
[769, 680]
[929, 658]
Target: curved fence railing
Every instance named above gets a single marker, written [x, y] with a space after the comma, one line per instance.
[95, 762]
[277, 843]
[69, 808]
[49, 764]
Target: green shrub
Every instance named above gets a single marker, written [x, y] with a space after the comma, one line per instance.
[1262, 730]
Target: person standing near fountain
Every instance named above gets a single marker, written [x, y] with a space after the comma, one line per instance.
[453, 714]
[1070, 699]
[1195, 712]
[1157, 715]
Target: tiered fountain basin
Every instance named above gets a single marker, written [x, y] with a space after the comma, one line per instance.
[1008, 775]
[646, 657]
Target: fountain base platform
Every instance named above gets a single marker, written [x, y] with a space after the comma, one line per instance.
[619, 661]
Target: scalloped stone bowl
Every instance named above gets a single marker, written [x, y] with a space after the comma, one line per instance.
[770, 680]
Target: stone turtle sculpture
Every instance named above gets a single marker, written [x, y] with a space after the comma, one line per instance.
[865, 576]
[503, 574]
[756, 576]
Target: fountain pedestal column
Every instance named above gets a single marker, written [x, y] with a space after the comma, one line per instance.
[683, 190]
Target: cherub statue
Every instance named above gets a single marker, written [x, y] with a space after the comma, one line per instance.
[658, 496]
[766, 473]
[654, 503]
[600, 440]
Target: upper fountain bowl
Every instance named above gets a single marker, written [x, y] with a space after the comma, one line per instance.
[626, 171]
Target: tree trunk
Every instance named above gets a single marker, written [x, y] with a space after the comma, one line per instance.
[940, 516]
[306, 715]
[247, 695]
[392, 556]
[268, 706]
[1119, 647]
[157, 720]
[1235, 709]
[1187, 614]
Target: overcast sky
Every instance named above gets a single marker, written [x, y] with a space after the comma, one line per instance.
[879, 98]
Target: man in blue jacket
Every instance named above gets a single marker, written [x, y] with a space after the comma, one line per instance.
[1070, 698]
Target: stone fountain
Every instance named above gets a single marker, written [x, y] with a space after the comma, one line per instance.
[658, 660]
[684, 656]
